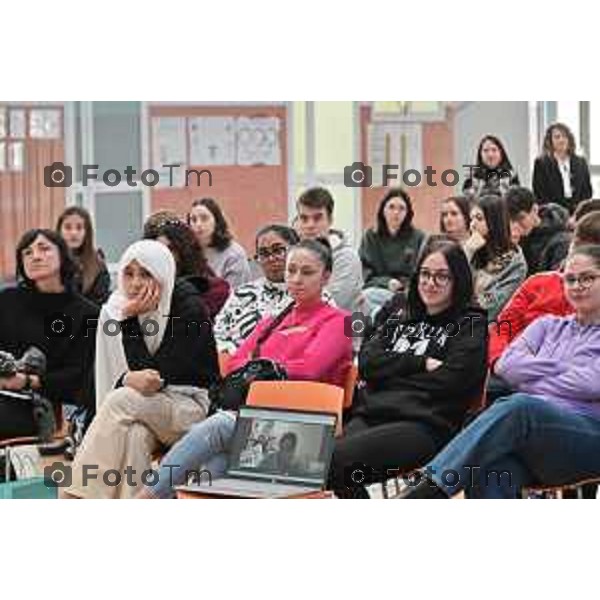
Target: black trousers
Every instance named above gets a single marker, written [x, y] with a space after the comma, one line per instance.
[16, 418]
[370, 452]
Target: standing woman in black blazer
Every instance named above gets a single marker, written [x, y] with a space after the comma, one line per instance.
[560, 175]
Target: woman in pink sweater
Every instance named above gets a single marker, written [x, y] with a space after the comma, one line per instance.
[307, 339]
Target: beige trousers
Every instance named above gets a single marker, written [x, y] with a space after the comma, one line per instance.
[128, 428]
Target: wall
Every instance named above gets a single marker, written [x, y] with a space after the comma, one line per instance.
[507, 120]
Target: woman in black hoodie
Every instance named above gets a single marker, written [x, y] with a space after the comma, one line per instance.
[418, 375]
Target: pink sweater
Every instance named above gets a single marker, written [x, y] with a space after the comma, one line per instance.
[310, 343]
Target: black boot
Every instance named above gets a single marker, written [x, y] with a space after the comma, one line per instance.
[426, 489]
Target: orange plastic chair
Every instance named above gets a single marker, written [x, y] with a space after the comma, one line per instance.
[310, 396]
[351, 380]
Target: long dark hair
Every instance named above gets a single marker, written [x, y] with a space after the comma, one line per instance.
[548, 138]
[86, 255]
[462, 278]
[382, 228]
[222, 236]
[498, 241]
[189, 256]
[69, 269]
[463, 205]
[505, 166]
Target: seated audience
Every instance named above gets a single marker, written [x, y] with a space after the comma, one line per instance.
[307, 338]
[493, 172]
[455, 218]
[583, 208]
[266, 296]
[498, 265]
[225, 256]
[191, 265]
[45, 311]
[389, 251]
[549, 432]
[75, 227]
[151, 378]
[522, 213]
[539, 295]
[559, 174]
[315, 218]
[418, 374]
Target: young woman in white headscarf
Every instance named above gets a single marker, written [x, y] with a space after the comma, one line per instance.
[155, 359]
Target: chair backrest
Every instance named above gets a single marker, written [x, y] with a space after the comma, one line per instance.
[310, 396]
[351, 379]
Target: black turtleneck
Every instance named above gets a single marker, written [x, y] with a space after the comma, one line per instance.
[26, 317]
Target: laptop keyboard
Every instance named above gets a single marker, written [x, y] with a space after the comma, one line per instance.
[257, 488]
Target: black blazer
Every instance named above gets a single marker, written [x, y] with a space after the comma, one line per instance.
[548, 184]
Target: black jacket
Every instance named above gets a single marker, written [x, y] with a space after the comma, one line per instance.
[26, 319]
[396, 385]
[548, 244]
[548, 183]
[187, 354]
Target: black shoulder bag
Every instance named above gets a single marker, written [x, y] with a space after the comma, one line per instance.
[232, 390]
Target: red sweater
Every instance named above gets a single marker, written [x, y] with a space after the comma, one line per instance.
[310, 343]
[539, 295]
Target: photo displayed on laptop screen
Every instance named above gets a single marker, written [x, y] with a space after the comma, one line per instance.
[282, 445]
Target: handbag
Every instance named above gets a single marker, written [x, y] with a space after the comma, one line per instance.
[231, 392]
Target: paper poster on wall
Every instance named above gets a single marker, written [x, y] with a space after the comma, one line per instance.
[17, 123]
[16, 156]
[258, 141]
[397, 144]
[212, 141]
[169, 148]
[45, 124]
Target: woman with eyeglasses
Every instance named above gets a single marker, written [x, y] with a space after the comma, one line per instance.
[266, 296]
[418, 375]
[498, 264]
[549, 432]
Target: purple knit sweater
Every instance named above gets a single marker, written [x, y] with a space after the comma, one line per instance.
[558, 359]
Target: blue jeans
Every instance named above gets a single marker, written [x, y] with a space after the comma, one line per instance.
[521, 440]
[205, 445]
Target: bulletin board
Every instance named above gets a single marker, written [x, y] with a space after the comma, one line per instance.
[245, 149]
[31, 138]
[435, 142]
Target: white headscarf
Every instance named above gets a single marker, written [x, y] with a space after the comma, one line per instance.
[111, 362]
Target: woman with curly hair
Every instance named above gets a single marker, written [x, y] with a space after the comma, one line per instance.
[189, 258]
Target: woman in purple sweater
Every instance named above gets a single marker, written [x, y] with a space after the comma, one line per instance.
[549, 432]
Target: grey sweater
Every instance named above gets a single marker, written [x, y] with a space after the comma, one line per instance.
[231, 264]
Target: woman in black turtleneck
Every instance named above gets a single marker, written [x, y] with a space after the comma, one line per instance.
[33, 314]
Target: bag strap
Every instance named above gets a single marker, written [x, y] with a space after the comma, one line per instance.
[262, 338]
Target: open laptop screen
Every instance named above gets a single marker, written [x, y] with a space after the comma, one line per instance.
[282, 446]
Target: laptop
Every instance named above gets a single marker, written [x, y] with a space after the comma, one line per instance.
[275, 453]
